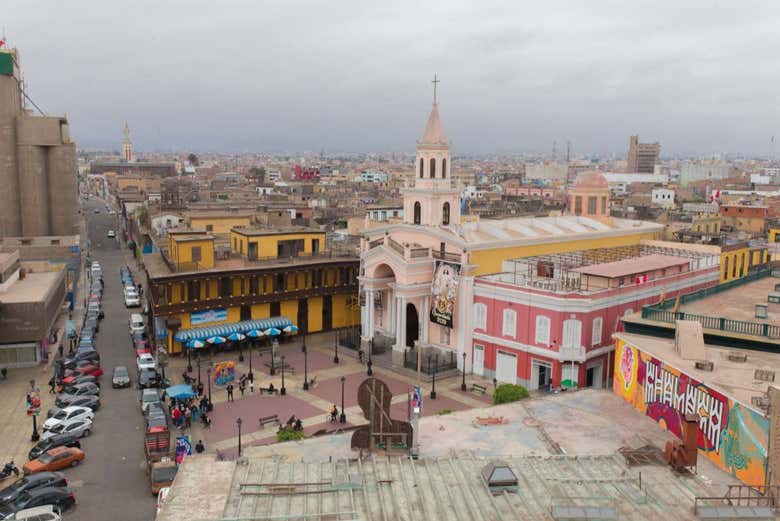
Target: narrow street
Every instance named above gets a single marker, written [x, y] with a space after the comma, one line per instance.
[112, 482]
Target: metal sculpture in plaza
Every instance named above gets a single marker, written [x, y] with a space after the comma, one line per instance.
[382, 432]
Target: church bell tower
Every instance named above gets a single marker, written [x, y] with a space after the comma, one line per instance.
[127, 145]
[432, 201]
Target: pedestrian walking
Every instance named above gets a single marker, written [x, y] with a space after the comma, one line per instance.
[251, 387]
[60, 350]
[242, 387]
[52, 385]
[229, 390]
[360, 356]
[200, 388]
[176, 415]
[199, 448]
[187, 418]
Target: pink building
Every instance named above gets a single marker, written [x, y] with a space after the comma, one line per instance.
[550, 319]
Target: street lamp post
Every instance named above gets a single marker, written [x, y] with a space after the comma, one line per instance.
[251, 376]
[273, 358]
[463, 383]
[435, 364]
[208, 376]
[240, 351]
[343, 417]
[370, 363]
[336, 348]
[282, 391]
[239, 422]
[35, 434]
[199, 384]
[305, 366]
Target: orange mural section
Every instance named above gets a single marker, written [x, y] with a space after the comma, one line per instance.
[732, 435]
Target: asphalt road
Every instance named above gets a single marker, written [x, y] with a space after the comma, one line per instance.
[112, 483]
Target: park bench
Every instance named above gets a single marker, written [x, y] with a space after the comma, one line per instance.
[265, 389]
[265, 420]
[478, 388]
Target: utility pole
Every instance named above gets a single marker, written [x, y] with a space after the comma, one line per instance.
[568, 151]
[416, 416]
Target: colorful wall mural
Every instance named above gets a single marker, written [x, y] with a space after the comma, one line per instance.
[732, 435]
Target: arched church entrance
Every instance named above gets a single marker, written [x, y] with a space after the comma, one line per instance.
[412, 325]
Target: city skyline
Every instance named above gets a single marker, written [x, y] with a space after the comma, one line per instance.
[349, 78]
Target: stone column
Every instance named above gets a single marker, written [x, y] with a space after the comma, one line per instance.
[371, 312]
[424, 321]
[397, 324]
[400, 339]
[390, 311]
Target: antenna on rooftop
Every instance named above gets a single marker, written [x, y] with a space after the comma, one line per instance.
[568, 151]
[554, 150]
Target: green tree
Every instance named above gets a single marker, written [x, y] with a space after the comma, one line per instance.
[193, 159]
[258, 173]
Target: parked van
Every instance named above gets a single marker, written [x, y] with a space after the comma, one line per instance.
[136, 323]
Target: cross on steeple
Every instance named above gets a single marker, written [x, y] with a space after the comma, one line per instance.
[435, 84]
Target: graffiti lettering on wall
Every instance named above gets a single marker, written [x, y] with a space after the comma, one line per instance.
[666, 389]
[732, 435]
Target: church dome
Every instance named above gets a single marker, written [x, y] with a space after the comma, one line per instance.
[591, 180]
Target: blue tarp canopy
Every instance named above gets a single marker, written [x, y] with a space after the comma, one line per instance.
[202, 333]
[180, 391]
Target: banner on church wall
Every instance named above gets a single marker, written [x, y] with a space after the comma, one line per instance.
[444, 290]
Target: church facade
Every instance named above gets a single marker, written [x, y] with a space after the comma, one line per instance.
[417, 276]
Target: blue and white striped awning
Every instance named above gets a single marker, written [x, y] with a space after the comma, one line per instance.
[202, 333]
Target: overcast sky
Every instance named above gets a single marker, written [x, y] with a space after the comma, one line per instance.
[347, 76]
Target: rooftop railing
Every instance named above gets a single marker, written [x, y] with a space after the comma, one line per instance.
[659, 313]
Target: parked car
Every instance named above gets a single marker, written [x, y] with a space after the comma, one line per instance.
[89, 400]
[146, 361]
[67, 399]
[81, 428]
[81, 356]
[156, 417]
[136, 323]
[120, 378]
[111, 234]
[148, 378]
[148, 397]
[69, 414]
[33, 481]
[70, 381]
[88, 369]
[43, 513]
[60, 440]
[132, 300]
[55, 459]
[81, 389]
[86, 344]
[60, 497]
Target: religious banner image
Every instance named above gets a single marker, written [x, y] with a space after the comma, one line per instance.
[445, 292]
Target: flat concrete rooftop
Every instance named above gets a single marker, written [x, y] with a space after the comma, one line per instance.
[561, 447]
[739, 303]
[34, 287]
[734, 379]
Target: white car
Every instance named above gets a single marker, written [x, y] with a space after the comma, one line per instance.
[146, 361]
[132, 300]
[111, 234]
[68, 414]
[44, 513]
[80, 428]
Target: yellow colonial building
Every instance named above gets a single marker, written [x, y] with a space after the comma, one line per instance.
[265, 273]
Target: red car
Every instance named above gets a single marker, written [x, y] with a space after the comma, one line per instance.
[91, 370]
[141, 345]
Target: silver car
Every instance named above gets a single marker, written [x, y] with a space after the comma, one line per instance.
[79, 428]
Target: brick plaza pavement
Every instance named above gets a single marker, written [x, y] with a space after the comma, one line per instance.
[310, 406]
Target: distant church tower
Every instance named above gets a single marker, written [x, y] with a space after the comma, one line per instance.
[432, 201]
[127, 145]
